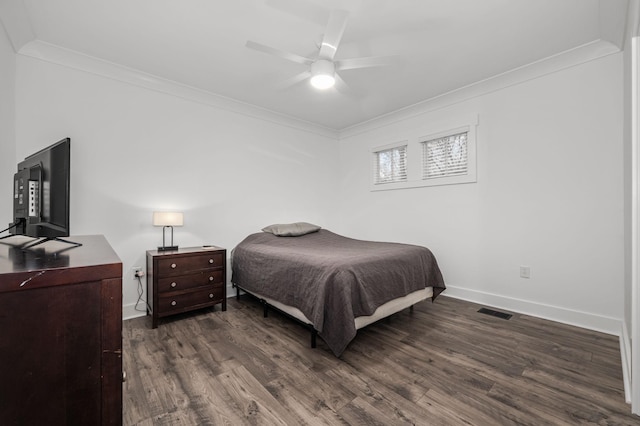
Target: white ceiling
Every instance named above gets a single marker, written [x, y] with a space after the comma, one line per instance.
[442, 44]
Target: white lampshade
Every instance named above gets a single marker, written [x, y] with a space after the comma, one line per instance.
[168, 219]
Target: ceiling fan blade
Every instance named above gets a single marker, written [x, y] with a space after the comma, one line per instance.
[294, 80]
[333, 34]
[366, 62]
[341, 86]
[303, 9]
[280, 53]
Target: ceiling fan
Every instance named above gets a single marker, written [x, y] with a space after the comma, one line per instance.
[323, 69]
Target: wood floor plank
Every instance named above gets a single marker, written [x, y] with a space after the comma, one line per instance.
[255, 405]
[361, 412]
[402, 410]
[576, 385]
[442, 364]
[371, 363]
[568, 409]
[307, 401]
[319, 393]
[468, 409]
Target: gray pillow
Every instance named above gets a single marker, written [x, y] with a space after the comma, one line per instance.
[291, 229]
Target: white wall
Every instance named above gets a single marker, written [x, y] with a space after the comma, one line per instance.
[549, 190]
[549, 195]
[7, 128]
[136, 150]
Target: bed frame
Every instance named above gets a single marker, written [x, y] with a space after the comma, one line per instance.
[383, 311]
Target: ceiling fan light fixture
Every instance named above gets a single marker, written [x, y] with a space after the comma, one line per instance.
[323, 74]
[323, 81]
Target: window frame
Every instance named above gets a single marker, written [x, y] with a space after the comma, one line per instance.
[414, 161]
[375, 163]
[470, 176]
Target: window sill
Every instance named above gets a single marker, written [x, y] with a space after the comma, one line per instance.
[454, 180]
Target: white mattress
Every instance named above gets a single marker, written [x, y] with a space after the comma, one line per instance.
[389, 308]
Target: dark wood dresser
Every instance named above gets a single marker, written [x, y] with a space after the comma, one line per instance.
[60, 333]
[185, 279]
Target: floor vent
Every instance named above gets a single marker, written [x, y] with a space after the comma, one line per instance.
[498, 314]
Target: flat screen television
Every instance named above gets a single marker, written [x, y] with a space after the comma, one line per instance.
[41, 188]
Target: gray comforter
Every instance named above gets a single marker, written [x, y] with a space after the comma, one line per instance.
[332, 279]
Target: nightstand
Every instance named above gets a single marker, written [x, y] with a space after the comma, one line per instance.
[185, 280]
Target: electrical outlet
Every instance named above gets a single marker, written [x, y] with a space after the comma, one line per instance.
[525, 272]
[137, 272]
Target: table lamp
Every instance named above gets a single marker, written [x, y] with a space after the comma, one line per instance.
[167, 220]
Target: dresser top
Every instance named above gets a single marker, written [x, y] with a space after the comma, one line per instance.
[55, 262]
[185, 250]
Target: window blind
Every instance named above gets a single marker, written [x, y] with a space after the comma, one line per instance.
[390, 165]
[445, 156]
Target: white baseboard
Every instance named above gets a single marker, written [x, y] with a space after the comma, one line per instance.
[130, 312]
[586, 320]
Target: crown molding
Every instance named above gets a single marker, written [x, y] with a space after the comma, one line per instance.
[72, 59]
[612, 19]
[570, 58]
[15, 20]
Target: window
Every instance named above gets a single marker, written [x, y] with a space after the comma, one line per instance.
[448, 156]
[390, 165]
[445, 156]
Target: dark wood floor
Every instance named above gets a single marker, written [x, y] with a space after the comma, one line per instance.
[443, 364]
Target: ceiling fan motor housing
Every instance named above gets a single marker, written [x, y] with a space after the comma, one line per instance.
[323, 74]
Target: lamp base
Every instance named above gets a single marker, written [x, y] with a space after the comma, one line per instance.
[167, 248]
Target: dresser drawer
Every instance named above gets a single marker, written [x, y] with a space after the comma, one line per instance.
[183, 282]
[185, 279]
[186, 301]
[176, 265]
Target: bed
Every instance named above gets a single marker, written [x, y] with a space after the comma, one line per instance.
[332, 283]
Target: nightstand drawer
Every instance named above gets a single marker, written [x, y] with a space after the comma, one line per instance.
[184, 282]
[190, 300]
[185, 279]
[177, 265]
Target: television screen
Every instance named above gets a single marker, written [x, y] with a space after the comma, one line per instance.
[41, 193]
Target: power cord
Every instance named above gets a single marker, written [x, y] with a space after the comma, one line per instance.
[140, 291]
[13, 225]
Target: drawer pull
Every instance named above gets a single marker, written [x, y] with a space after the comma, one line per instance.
[173, 284]
[173, 266]
[174, 303]
[210, 295]
[210, 260]
[210, 278]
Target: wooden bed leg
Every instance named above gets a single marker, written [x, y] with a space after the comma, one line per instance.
[265, 308]
[314, 333]
[411, 308]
